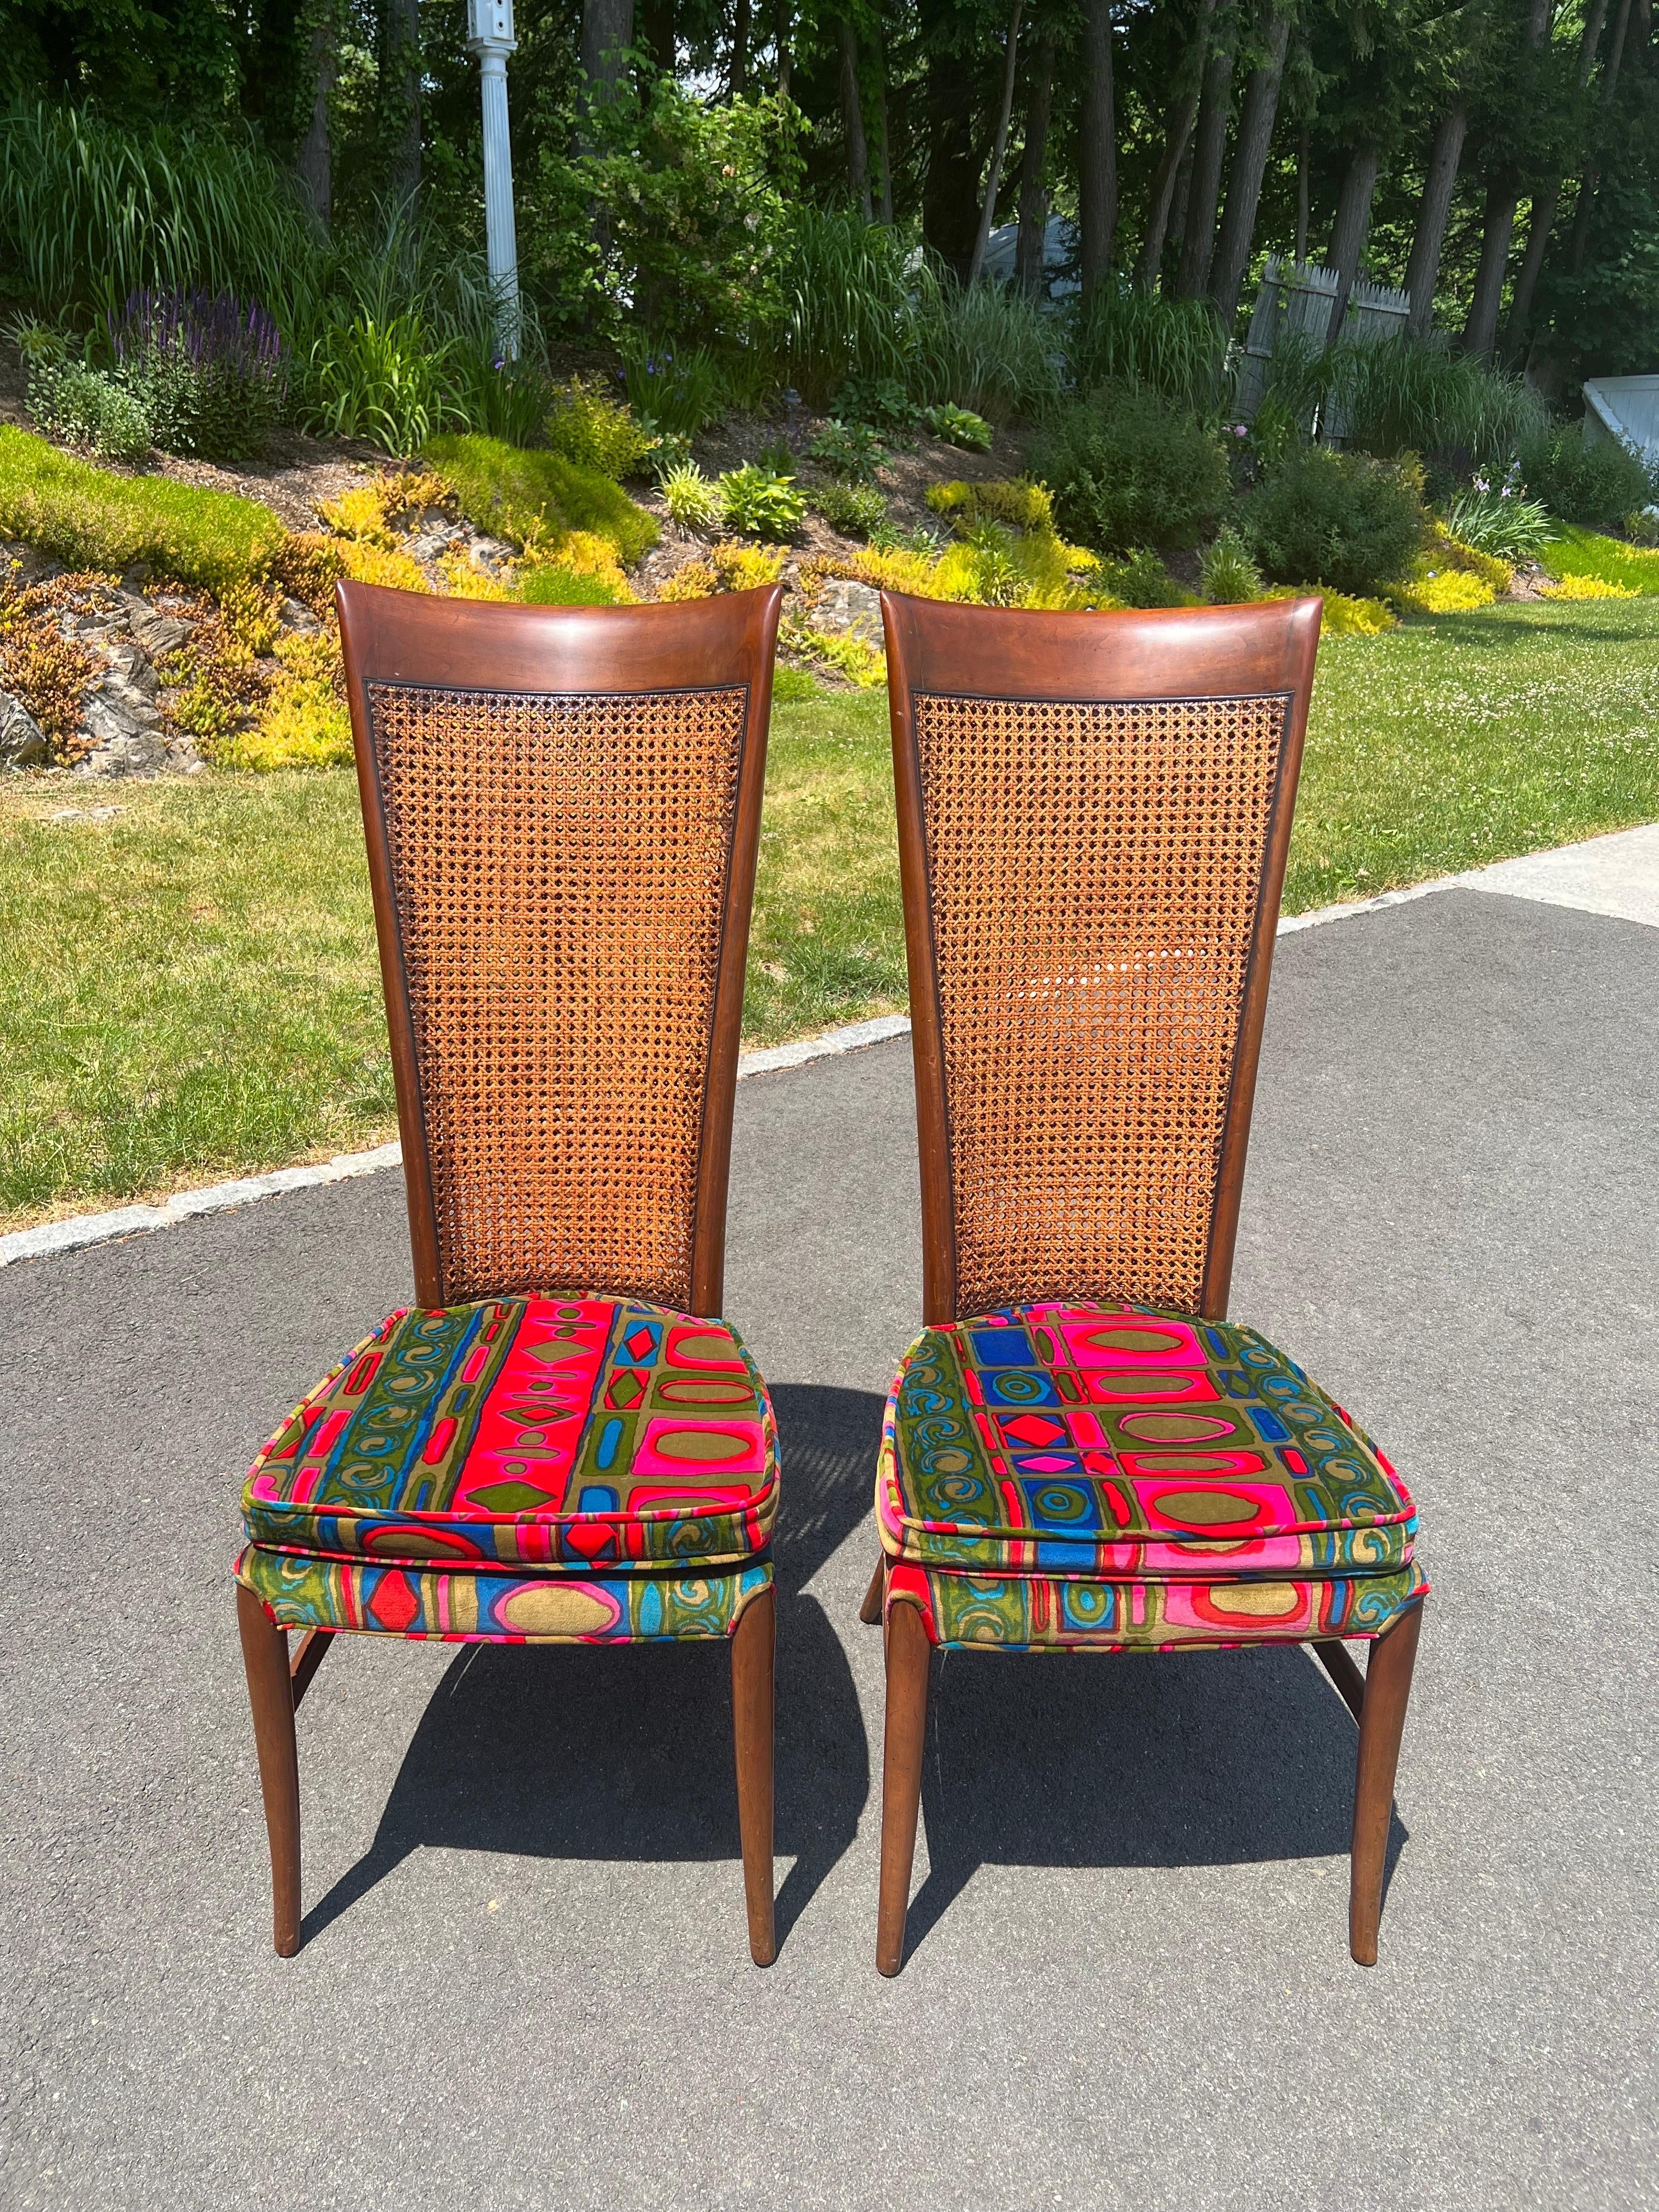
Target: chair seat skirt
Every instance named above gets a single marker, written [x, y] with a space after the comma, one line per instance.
[1057, 1476]
[538, 1468]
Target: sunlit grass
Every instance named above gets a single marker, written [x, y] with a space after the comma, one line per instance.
[191, 990]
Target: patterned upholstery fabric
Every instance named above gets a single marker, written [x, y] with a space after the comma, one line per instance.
[497, 1609]
[1129, 1475]
[619, 1458]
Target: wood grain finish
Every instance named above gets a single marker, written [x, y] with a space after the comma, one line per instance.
[1382, 1723]
[904, 1738]
[404, 642]
[270, 1694]
[753, 1647]
[458, 652]
[968, 654]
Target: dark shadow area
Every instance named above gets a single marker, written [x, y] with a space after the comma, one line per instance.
[1155, 1759]
[585, 1753]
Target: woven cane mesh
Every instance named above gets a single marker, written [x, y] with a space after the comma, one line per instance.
[559, 869]
[1095, 872]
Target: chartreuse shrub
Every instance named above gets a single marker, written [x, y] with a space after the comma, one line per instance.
[1128, 468]
[534, 497]
[595, 431]
[1012, 500]
[88, 518]
[1341, 519]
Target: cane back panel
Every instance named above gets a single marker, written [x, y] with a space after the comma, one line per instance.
[1095, 873]
[559, 869]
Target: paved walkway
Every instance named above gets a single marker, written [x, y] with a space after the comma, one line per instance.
[525, 1980]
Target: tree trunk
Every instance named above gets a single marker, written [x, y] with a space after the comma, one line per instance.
[1033, 192]
[315, 164]
[1353, 224]
[785, 27]
[738, 83]
[1434, 211]
[994, 174]
[1592, 184]
[1183, 113]
[1304, 149]
[400, 92]
[1209, 146]
[852, 116]
[1255, 132]
[883, 144]
[949, 190]
[657, 33]
[1481, 331]
[1547, 198]
[1097, 148]
[607, 33]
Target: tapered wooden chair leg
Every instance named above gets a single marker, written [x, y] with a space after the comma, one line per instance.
[270, 1694]
[753, 1649]
[1381, 1722]
[870, 1611]
[907, 1657]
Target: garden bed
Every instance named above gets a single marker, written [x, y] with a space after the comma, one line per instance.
[193, 992]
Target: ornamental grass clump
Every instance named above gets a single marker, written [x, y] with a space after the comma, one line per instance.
[693, 502]
[1230, 577]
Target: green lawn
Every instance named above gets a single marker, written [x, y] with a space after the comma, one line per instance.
[191, 990]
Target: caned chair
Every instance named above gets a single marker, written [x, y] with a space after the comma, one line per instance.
[560, 1441]
[1081, 1452]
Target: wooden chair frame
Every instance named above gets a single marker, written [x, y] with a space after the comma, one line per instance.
[935, 648]
[404, 638]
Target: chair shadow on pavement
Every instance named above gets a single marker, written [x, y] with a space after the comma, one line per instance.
[584, 1752]
[1132, 1759]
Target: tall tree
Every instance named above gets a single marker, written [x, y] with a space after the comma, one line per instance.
[607, 34]
[1433, 212]
[1097, 180]
[1498, 217]
[852, 117]
[999, 144]
[657, 33]
[400, 92]
[949, 190]
[1177, 140]
[1547, 197]
[1256, 131]
[737, 78]
[1209, 148]
[314, 164]
[1353, 221]
[1033, 233]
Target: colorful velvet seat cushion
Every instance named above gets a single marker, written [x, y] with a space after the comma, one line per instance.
[1127, 1443]
[1044, 1613]
[496, 1606]
[570, 1436]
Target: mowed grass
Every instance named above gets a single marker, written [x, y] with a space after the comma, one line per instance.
[190, 988]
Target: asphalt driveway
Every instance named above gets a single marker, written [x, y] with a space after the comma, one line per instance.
[525, 1979]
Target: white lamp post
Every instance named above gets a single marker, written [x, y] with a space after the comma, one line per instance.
[489, 35]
